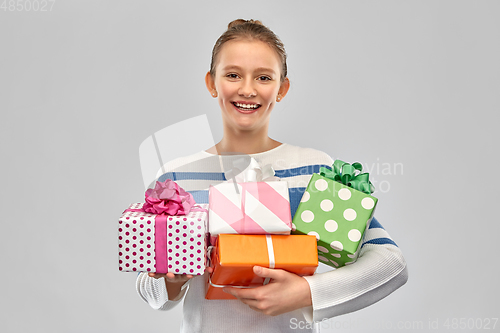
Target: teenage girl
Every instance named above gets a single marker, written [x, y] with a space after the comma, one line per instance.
[247, 77]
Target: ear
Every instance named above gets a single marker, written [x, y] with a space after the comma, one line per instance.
[210, 83]
[285, 85]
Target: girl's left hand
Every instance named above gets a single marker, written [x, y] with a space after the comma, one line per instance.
[284, 293]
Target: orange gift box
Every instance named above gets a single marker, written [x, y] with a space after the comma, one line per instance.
[234, 256]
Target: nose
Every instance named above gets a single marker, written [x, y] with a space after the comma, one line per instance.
[247, 89]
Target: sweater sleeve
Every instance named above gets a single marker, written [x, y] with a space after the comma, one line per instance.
[379, 270]
[154, 292]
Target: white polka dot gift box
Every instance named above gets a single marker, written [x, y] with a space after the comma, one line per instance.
[168, 233]
[337, 208]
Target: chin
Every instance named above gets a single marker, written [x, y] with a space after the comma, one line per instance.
[245, 126]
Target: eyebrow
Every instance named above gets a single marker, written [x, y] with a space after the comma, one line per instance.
[259, 69]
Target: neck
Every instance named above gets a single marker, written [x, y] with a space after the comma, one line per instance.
[246, 142]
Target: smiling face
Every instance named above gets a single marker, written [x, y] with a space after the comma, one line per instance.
[247, 82]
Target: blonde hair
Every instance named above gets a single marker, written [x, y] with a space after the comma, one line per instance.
[250, 29]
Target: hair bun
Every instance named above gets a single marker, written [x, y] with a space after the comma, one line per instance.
[242, 21]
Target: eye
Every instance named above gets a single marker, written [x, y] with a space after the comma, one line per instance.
[232, 75]
[264, 78]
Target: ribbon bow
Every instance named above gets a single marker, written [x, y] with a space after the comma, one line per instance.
[252, 172]
[349, 175]
[168, 198]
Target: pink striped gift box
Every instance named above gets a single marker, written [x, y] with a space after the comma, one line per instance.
[249, 208]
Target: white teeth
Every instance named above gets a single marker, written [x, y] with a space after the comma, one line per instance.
[247, 106]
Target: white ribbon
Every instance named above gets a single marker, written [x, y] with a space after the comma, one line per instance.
[270, 253]
[252, 173]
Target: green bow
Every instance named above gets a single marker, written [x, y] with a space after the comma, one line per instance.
[345, 173]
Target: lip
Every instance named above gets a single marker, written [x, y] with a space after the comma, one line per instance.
[245, 102]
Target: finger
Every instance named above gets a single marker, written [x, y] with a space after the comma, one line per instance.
[254, 304]
[176, 278]
[241, 294]
[255, 307]
[156, 275]
[266, 272]
[171, 277]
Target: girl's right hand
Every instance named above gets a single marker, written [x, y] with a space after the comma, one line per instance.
[176, 278]
[171, 277]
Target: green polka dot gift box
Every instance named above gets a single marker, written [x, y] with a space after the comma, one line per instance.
[337, 208]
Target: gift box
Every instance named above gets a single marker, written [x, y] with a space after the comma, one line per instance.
[234, 256]
[249, 208]
[337, 208]
[168, 233]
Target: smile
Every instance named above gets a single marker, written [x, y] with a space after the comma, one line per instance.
[246, 108]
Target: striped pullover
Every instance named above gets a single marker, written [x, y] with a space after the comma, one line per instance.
[379, 270]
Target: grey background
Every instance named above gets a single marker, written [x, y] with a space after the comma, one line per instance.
[383, 82]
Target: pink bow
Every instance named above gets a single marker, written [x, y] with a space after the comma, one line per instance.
[168, 198]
